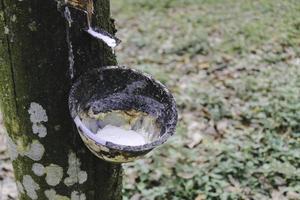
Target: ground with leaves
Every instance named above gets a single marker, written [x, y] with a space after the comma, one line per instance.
[234, 68]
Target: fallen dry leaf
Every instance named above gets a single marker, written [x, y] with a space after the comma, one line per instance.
[186, 175]
[222, 126]
[277, 195]
[200, 197]
[194, 140]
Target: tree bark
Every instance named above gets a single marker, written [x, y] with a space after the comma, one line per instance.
[50, 160]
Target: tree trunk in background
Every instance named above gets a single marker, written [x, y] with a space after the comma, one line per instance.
[49, 159]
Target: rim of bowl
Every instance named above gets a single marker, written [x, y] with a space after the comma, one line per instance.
[140, 148]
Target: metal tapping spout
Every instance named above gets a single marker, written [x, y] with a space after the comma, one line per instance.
[86, 6]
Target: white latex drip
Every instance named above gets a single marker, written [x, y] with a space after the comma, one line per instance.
[120, 136]
[71, 60]
[111, 42]
[71, 57]
[68, 16]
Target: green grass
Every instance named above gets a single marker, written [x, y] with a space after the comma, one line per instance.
[234, 68]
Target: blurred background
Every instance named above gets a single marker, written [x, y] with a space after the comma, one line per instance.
[234, 68]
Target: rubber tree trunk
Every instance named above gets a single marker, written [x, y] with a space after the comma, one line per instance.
[49, 159]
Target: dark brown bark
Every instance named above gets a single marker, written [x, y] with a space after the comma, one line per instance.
[34, 79]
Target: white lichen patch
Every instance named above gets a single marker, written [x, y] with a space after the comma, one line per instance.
[35, 152]
[38, 116]
[39, 129]
[38, 169]
[76, 175]
[6, 30]
[54, 174]
[75, 195]
[20, 187]
[12, 149]
[82, 177]
[37, 113]
[30, 187]
[51, 195]
[13, 18]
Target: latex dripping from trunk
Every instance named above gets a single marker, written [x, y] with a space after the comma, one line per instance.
[87, 6]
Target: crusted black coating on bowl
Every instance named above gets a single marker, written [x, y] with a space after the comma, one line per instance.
[119, 88]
